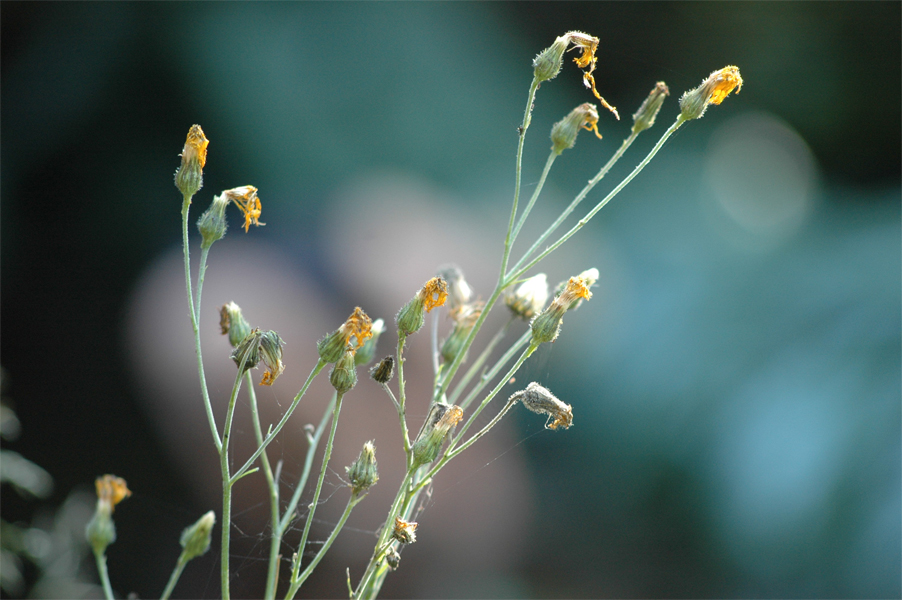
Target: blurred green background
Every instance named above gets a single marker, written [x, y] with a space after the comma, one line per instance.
[735, 381]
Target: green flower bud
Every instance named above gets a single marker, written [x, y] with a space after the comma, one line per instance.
[196, 538]
[645, 116]
[213, 224]
[233, 324]
[363, 472]
[344, 374]
[547, 64]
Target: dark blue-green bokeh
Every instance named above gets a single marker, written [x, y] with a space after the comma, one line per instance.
[736, 380]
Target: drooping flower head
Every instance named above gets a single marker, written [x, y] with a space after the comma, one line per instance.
[245, 198]
[713, 90]
[540, 400]
[548, 63]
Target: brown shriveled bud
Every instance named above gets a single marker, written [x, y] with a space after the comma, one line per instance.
[384, 370]
[645, 116]
[563, 133]
[249, 349]
[404, 531]
[541, 401]
[393, 559]
[713, 90]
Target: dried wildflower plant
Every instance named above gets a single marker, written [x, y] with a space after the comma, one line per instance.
[459, 397]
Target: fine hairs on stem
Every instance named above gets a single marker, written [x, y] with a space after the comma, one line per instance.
[457, 404]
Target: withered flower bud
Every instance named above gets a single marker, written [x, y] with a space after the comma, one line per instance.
[358, 326]
[393, 559]
[271, 350]
[245, 198]
[589, 277]
[384, 370]
[404, 531]
[529, 298]
[545, 327]
[713, 90]
[189, 177]
[563, 133]
[541, 401]
[366, 352]
[250, 345]
[645, 116]
[442, 417]
[101, 531]
[412, 316]
[459, 291]
[233, 323]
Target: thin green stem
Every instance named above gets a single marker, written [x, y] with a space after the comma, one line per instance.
[490, 374]
[480, 360]
[275, 540]
[275, 430]
[319, 486]
[519, 273]
[174, 578]
[296, 585]
[288, 517]
[579, 198]
[535, 196]
[201, 272]
[104, 575]
[527, 117]
[186, 203]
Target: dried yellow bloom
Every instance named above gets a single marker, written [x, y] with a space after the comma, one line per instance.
[589, 45]
[245, 198]
[564, 132]
[333, 346]
[434, 293]
[111, 490]
[713, 90]
[189, 177]
[195, 146]
[404, 531]
[546, 326]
